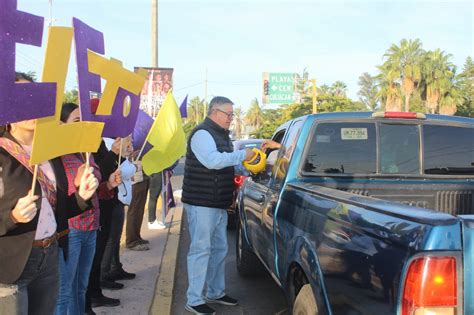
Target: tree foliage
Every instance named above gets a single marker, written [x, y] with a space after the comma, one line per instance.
[71, 96]
[465, 86]
[368, 93]
[196, 114]
[413, 79]
[254, 116]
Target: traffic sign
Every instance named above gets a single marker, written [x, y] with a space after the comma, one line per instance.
[278, 88]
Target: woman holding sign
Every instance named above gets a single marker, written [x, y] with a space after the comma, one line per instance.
[74, 272]
[33, 223]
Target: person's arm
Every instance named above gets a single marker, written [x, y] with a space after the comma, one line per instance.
[106, 189]
[106, 160]
[269, 144]
[240, 169]
[205, 150]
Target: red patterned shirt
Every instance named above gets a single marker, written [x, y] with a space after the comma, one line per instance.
[88, 220]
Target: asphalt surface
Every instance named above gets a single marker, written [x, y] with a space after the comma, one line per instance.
[256, 295]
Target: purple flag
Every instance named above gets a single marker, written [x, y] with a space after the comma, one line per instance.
[116, 125]
[26, 100]
[183, 108]
[142, 127]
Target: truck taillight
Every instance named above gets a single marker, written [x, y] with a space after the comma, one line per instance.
[431, 287]
[239, 180]
[405, 115]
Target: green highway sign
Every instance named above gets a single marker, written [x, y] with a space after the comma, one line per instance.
[278, 88]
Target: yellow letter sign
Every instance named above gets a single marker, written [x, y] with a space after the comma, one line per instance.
[53, 139]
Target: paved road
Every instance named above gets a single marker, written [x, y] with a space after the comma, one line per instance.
[258, 295]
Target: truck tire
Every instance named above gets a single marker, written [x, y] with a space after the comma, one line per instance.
[247, 262]
[305, 304]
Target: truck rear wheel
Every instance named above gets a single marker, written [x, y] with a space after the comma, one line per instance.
[305, 304]
[247, 262]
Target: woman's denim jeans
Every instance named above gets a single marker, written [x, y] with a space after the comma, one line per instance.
[74, 273]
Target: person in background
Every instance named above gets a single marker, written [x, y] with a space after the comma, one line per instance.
[156, 183]
[33, 224]
[208, 187]
[111, 267]
[107, 160]
[140, 182]
[74, 272]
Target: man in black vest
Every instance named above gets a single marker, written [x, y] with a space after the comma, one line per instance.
[207, 193]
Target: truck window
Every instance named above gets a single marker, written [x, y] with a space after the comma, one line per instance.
[281, 167]
[448, 150]
[399, 149]
[342, 148]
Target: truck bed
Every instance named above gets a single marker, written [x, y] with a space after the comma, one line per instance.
[455, 197]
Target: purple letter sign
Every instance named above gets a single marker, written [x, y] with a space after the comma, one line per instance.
[116, 125]
[26, 100]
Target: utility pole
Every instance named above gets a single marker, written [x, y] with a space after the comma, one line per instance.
[315, 94]
[50, 13]
[154, 33]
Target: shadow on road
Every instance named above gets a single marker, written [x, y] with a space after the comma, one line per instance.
[257, 295]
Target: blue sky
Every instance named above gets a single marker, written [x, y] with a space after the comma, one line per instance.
[238, 40]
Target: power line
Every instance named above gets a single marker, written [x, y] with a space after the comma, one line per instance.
[28, 57]
[189, 86]
[236, 83]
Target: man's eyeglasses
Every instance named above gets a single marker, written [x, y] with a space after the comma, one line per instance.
[229, 115]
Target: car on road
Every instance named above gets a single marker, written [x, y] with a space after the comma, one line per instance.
[239, 177]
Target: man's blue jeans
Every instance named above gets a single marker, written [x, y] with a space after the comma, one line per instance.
[74, 273]
[207, 252]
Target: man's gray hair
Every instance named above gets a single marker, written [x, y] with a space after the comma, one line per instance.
[218, 101]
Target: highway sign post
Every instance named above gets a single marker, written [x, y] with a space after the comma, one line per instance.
[278, 88]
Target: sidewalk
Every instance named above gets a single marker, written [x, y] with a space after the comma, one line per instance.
[151, 291]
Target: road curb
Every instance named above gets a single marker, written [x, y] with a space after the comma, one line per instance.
[163, 297]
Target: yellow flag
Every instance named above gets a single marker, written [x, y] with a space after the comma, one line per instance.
[167, 137]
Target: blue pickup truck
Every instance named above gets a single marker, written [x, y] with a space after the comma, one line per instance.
[365, 213]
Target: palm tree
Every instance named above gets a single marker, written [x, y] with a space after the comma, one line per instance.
[406, 60]
[254, 116]
[450, 101]
[389, 89]
[339, 88]
[238, 122]
[368, 91]
[196, 110]
[324, 89]
[438, 73]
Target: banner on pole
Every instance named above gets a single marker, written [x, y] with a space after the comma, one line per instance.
[157, 84]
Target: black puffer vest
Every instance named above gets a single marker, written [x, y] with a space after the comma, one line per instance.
[203, 186]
